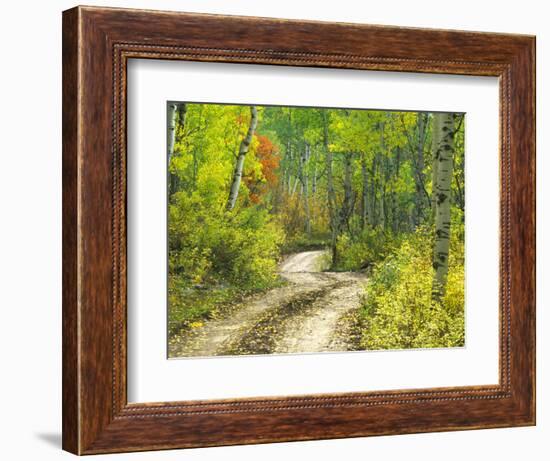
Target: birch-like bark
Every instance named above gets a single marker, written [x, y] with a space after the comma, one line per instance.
[373, 190]
[419, 176]
[331, 195]
[305, 184]
[384, 166]
[176, 118]
[382, 212]
[314, 178]
[290, 156]
[288, 159]
[348, 203]
[395, 209]
[296, 181]
[436, 144]
[285, 169]
[172, 116]
[243, 150]
[443, 205]
[364, 192]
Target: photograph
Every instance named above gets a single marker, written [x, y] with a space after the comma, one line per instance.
[298, 230]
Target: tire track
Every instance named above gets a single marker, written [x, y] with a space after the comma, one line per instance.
[303, 316]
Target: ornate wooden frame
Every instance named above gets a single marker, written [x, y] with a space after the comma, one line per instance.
[97, 43]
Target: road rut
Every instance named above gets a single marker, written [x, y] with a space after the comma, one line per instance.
[303, 316]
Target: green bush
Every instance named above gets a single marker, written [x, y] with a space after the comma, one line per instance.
[398, 310]
[362, 252]
[216, 256]
[210, 246]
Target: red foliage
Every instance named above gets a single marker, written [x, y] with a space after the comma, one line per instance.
[268, 156]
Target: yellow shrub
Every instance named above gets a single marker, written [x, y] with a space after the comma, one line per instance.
[398, 310]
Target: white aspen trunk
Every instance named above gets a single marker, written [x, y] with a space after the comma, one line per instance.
[365, 192]
[347, 205]
[383, 164]
[314, 179]
[288, 160]
[171, 116]
[289, 189]
[436, 144]
[331, 195]
[443, 205]
[296, 181]
[285, 169]
[305, 181]
[382, 213]
[419, 176]
[373, 190]
[395, 209]
[243, 150]
[176, 115]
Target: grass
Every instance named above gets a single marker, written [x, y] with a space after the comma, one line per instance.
[189, 307]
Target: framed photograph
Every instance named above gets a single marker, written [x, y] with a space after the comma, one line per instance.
[282, 230]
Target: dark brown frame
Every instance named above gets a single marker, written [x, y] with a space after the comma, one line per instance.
[97, 43]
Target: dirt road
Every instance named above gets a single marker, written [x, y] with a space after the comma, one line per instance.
[305, 315]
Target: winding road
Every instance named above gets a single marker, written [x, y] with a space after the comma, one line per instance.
[308, 314]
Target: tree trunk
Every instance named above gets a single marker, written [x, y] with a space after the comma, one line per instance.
[348, 203]
[290, 152]
[382, 214]
[331, 195]
[436, 144]
[243, 150]
[176, 118]
[296, 181]
[443, 205]
[374, 188]
[383, 177]
[172, 117]
[459, 169]
[305, 185]
[182, 113]
[314, 178]
[197, 149]
[395, 209]
[420, 169]
[288, 160]
[364, 192]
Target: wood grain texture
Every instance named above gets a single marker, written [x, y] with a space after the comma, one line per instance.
[70, 383]
[97, 43]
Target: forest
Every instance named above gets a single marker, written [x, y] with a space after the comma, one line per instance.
[278, 215]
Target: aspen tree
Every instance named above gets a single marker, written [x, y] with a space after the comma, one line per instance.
[243, 150]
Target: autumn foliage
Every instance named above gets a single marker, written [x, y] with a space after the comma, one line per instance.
[360, 184]
[267, 154]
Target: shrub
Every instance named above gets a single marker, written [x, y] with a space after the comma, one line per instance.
[363, 251]
[211, 246]
[398, 310]
[216, 257]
